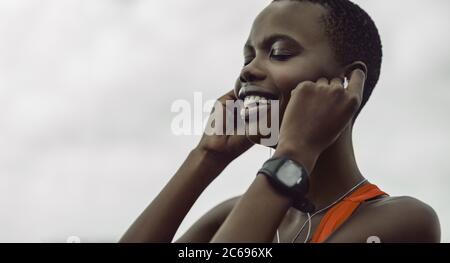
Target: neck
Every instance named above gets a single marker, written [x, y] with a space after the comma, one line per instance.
[335, 172]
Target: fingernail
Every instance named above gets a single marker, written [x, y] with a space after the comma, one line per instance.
[354, 68]
[362, 72]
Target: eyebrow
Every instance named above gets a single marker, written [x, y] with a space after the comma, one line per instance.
[269, 40]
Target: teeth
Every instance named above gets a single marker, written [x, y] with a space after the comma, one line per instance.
[261, 110]
[250, 100]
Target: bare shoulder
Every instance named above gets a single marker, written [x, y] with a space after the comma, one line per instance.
[392, 219]
[405, 208]
[207, 225]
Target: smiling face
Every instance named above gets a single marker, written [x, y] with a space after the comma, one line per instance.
[287, 45]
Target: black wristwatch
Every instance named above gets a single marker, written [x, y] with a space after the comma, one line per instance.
[289, 178]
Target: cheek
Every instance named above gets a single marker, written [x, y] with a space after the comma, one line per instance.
[288, 76]
[285, 79]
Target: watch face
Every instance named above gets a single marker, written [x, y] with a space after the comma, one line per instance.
[289, 173]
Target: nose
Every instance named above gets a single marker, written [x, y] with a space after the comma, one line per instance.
[251, 73]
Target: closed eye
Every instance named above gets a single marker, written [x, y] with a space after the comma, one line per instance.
[281, 55]
[274, 54]
[278, 46]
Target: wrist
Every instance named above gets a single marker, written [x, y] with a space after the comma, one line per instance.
[304, 155]
[209, 159]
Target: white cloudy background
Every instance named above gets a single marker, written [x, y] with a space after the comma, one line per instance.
[86, 89]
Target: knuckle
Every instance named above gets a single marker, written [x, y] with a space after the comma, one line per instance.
[340, 80]
[337, 86]
[305, 87]
[306, 84]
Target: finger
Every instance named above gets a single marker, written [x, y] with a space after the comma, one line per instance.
[356, 83]
[337, 83]
[322, 81]
[230, 95]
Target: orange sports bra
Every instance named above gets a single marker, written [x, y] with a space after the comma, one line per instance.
[342, 211]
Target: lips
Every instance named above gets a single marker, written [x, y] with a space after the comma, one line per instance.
[257, 100]
[253, 90]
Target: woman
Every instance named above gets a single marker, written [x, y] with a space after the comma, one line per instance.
[298, 54]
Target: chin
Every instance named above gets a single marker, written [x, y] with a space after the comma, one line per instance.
[262, 131]
[264, 140]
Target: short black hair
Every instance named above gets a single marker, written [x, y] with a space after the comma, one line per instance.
[353, 36]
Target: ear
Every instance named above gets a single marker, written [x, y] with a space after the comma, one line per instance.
[347, 71]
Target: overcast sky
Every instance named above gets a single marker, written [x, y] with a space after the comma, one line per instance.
[86, 89]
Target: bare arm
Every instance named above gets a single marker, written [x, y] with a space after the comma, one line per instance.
[161, 219]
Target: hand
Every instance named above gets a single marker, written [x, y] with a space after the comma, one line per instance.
[317, 113]
[225, 147]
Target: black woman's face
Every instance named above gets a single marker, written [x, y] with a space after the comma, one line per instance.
[287, 45]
